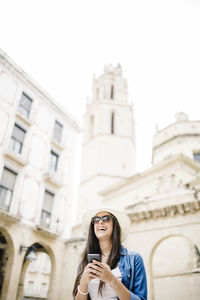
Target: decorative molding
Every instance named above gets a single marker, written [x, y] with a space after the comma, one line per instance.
[74, 240]
[8, 216]
[168, 211]
[47, 232]
[17, 158]
[52, 178]
[27, 122]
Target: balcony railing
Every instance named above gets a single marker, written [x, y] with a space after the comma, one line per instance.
[5, 198]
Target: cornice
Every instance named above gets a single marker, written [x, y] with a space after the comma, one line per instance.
[174, 137]
[180, 158]
[167, 211]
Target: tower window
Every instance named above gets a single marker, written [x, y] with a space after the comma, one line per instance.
[97, 98]
[112, 123]
[91, 126]
[112, 92]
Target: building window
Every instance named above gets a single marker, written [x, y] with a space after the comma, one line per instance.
[57, 131]
[196, 156]
[7, 184]
[112, 92]
[30, 287]
[53, 161]
[17, 139]
[44, 289]
[47, 209]
[25, 105]
[112, 122]
[47, 265]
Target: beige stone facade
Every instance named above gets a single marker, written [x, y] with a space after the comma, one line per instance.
[37, 154]
[162, 202]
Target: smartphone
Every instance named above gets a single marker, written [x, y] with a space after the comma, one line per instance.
[90, 257]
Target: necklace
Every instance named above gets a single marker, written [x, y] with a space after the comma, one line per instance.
[105, 256]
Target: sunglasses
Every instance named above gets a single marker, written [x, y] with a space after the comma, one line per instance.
[105, 219]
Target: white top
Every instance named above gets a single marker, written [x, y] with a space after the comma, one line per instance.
[107, 292]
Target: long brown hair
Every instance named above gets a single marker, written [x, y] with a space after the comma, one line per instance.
[92, 246]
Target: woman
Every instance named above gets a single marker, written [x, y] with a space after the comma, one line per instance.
[121, 273]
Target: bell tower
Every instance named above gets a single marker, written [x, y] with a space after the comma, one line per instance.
[108, 151]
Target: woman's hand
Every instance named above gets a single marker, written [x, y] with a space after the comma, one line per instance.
[88, 273]
[101, 271]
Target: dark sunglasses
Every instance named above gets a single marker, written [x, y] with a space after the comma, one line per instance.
[105, 219]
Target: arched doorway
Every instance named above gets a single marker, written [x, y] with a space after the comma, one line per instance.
[175, 269]
[6, 261]
[35, 275]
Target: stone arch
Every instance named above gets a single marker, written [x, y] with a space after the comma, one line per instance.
[173, 264]
[7, 256]
[41, 247]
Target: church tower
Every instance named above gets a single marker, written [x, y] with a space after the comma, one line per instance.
[108, 153]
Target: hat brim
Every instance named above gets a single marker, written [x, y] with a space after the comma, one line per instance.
[122, 218]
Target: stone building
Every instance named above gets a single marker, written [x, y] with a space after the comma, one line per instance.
[37, 153]
[37, 143]
[162, 202]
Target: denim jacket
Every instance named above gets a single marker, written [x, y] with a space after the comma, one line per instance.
[133, 274]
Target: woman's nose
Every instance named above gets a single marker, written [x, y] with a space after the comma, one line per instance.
[100, 221]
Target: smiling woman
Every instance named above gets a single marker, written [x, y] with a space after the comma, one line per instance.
[121, 273]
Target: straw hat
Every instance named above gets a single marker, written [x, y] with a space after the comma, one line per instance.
[122, 218]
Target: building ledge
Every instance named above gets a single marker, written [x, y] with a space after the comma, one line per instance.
[57, 145]
[5, 215]
[52, 178]
[17, 158]
[27, 122]
[47, 231]
[75, 240]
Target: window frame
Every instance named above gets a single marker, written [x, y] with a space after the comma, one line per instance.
[57, 134]
[22, 108]
[16, 143]
[5, 190]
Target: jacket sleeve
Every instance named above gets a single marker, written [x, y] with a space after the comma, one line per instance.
[140, 282]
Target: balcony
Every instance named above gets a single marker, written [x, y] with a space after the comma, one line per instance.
[53, 178]
[44, 226]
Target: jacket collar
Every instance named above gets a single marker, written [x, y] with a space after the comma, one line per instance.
[123, 250]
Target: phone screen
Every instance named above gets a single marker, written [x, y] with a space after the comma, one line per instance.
[90, 257]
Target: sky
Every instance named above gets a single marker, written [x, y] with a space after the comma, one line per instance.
[61, 44]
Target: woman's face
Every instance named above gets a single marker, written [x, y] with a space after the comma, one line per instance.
[104, 228]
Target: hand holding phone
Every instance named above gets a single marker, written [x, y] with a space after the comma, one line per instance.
[90, 257]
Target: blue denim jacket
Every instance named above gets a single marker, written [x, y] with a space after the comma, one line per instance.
[133, 274]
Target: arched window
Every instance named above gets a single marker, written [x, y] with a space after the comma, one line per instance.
[97, 94]
[112, 92]
[112, 123]
[91, 126]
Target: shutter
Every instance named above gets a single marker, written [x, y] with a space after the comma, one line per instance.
[18, 133]
[8, 179]
[48, 202]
